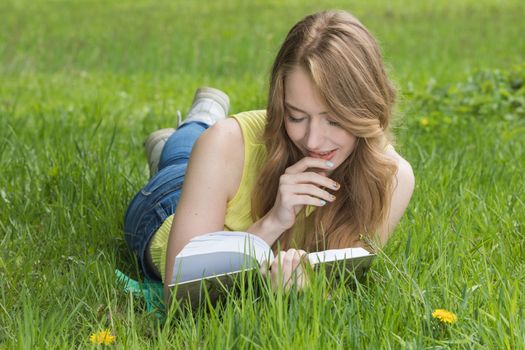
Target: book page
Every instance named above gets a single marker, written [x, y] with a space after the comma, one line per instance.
[337, 254]
[219, 253]
[200, 266]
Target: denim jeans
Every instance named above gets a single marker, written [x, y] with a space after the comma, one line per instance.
[159, 198]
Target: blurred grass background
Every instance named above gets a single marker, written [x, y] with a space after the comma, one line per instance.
[421, 39]
[82, 83]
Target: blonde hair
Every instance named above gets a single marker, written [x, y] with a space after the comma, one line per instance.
[345, 64]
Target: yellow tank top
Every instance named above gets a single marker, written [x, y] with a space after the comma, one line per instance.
[238, 210]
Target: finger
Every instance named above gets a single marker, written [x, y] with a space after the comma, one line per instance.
[276, 271]
[308, 178]
[263, 268]
[292, 261]
[304, 263]
[304, 257]
[311, 190]
[276, 265]
[286, 270]
[300, 200]
[299, 277]
[302, 276]
[309, 162]
[278, 259]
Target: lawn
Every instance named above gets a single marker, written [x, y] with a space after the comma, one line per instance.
[82, 83]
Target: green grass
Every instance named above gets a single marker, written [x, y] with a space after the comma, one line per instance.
[82, 83]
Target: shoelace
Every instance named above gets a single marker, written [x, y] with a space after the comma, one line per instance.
[179, 118]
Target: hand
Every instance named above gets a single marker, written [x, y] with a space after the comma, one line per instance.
[287, 270]
[300, 186]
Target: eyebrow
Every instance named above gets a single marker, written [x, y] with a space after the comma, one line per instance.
[300, 110]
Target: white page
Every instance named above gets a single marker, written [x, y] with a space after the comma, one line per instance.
[217, 253]
[228, 241]
[337, 254]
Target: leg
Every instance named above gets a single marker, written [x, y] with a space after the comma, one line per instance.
[177, 149]
[148, 210]
[209, 105]
[159, 198]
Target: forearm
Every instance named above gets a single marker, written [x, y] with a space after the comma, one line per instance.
[267, 228]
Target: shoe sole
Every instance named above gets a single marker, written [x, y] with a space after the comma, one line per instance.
[152, 151]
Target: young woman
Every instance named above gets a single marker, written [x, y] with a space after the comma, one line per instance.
[315, 170]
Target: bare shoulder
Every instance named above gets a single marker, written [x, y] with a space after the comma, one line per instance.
[405, 174]
[224, 143]
[404, 183]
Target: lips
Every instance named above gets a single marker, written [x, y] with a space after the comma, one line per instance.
[323, 155]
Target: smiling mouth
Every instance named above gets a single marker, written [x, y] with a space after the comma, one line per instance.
[323, 155]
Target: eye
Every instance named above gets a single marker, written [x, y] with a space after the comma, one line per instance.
[332, 123]
[295, 119]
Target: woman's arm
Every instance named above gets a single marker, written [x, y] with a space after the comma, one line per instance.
[403, 188]
[214, 172]
[213, 177]
[298, 186]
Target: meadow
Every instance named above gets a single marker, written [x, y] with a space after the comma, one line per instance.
[82, 83]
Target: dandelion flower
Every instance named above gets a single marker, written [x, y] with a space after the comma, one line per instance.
[424, 122]
[53, 172]
[102, 337]
[445, 316]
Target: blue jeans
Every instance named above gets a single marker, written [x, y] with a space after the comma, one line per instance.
[159, 198]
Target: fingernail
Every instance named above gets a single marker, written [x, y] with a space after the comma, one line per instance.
[323, 202]
[333, 197]
[329, 164]
[335, 185]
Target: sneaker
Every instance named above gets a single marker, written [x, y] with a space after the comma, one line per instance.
[154, 145]
[209, 106]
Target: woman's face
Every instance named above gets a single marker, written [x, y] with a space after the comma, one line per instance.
[308, 122]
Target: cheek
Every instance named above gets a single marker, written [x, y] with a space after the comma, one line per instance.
[293, 131]
[353, 141]
[349, 141]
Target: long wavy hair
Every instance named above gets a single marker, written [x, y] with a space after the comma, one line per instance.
[345, 64]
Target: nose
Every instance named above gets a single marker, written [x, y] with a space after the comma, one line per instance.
[315, 135]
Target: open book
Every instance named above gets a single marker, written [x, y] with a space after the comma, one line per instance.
[213, 260]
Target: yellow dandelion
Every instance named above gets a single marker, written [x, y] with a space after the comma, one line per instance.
[424, 122]
[53, 172]
[102, 337]
[445, 316]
